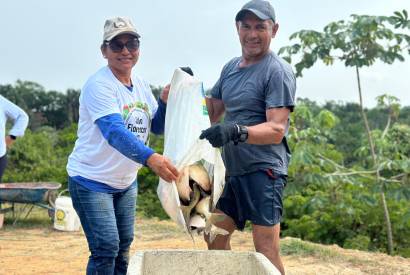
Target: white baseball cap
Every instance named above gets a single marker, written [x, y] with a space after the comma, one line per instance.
[118, 25]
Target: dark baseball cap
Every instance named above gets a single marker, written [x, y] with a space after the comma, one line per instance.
[262, 9]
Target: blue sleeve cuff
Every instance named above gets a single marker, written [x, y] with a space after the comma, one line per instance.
[145, 156]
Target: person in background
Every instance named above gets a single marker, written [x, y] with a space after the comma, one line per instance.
[256, 92]
[117, 112]
[10, 111]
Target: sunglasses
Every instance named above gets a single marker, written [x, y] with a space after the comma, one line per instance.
[117, 46]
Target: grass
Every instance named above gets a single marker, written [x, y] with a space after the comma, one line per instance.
[38, 217]
[155, 225]
[297, 247]
[291, 246]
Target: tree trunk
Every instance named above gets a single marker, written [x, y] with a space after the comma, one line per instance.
[376, 164]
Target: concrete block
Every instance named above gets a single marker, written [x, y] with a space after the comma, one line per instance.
[200, 262]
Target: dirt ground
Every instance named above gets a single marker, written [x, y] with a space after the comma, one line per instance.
[44, 250]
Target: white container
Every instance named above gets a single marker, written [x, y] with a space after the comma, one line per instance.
[65, 217]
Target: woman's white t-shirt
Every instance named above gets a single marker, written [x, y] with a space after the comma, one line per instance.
[103, 94]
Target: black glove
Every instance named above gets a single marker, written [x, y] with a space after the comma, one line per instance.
[188, 70]
[221, 133]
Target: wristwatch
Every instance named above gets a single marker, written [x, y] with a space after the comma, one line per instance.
[242, 133]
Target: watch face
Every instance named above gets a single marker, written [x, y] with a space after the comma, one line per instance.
[243, 133]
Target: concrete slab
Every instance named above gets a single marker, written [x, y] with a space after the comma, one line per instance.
[200, 262]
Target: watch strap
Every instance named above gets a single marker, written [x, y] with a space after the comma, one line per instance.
[243, 133]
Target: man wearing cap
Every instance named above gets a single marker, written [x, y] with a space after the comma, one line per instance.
[117, 113]
[256, 92]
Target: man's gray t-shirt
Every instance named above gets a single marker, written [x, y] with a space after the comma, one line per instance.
[247, 93]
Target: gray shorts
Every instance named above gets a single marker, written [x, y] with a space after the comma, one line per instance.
[255, 196]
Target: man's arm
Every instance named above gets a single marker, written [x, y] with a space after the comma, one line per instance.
[271, 131]
[19, 117]
[9, 141]
[20, 120]
[216, 109]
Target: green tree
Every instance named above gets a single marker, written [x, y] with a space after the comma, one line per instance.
[358, 43]
[51, 108]
[327, 202]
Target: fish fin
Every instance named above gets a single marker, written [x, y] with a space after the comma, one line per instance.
[186, 211]
[197, 195]
[192, 237]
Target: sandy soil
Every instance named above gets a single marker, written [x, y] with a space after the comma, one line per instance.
[43, 250]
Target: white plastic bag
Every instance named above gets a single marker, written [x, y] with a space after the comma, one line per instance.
[186, 117]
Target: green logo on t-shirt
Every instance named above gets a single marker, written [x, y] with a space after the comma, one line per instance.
[137, 120]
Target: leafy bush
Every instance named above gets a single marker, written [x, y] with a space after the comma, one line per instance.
[40, 156]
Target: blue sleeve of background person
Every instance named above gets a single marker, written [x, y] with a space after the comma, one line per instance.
[113, 129]
[158, 122]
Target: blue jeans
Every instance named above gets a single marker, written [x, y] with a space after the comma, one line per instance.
[3, 164]
[108, 223]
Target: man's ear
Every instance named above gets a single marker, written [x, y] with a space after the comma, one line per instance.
[237, 23]
[275, 28]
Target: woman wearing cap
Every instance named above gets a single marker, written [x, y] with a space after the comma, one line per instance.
[117, 112]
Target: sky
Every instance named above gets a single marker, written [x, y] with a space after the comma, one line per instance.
[56, 43]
